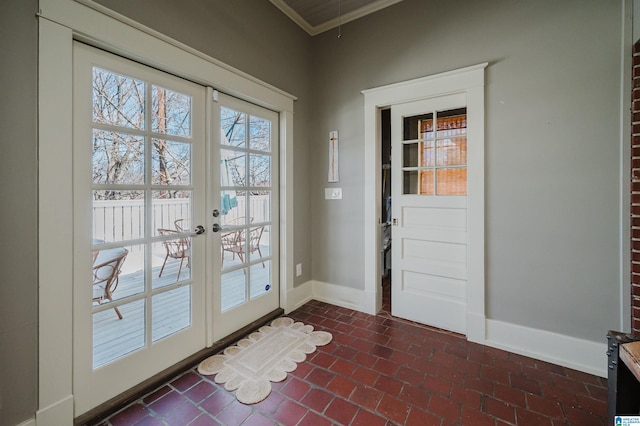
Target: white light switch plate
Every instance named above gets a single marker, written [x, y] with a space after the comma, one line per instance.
[333, 193]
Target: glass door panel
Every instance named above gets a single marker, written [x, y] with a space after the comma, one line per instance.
[247, 192]
[138, 190]
[434, 162]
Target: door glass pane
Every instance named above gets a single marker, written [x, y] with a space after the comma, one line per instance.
[234, 247]
[427, 159]
[118, 100]
[118, 158]
[170, 163]
[413, 126]
[112, 337]
[260, 207]
[132, 195]
[171, 113]
[118, 215]
[410, 154]
[260, 134]
[117, 273]
[233, 125]
[260, 170]
[232, 205]
[171, 210]
[170, 312]
[233, 168]
[171, 261]
[452, 181]
[234, 289]
[452, 122]
[260, 279]
[452, 152]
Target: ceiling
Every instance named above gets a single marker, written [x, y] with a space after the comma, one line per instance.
[317, 16]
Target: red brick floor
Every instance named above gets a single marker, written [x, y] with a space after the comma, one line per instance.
[384, 371]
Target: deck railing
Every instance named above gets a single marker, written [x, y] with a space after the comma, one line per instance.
[123, 220]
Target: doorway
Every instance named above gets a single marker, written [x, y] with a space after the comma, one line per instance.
[468, 82]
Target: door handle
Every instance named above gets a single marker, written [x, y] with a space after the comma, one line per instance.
[216, 227]
[199, 230]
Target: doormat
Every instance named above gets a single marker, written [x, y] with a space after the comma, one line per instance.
[264, 356]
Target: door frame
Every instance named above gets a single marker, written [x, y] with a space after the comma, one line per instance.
[469, 80]
[60, 23]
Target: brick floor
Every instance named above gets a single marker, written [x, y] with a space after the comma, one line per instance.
[379, 370]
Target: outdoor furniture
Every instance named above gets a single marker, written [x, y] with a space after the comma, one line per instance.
[106, 273]
[234, 242]
[177, 248]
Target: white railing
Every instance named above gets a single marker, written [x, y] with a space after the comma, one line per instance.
[124, 220]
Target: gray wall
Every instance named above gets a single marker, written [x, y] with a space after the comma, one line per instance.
[552, 145]
[255, 37]
[18, 211]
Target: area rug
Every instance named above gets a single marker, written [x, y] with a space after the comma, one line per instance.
[264, 356]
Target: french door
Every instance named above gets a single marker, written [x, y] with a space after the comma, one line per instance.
[139, 196]
[245, 246]
[429, 193]
[175, 229]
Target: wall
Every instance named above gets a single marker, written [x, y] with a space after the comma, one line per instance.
[552, 146]
[18, 211]
[256, 38]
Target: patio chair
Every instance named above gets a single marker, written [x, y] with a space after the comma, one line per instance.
[234, 242]
[178, 248]
[106, 273]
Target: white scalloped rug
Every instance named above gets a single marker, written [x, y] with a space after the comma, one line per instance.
[264, 356]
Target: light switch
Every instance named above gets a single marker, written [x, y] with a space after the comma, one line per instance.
[333, 193]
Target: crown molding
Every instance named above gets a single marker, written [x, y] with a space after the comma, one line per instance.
[333, 23]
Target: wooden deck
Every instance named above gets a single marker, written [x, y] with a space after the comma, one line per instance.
[171, 311]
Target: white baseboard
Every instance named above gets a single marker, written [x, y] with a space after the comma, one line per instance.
[58, 414]
[298, 296]
[583, 355]
[338, 295]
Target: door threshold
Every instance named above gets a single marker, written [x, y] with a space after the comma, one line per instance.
[116, 403]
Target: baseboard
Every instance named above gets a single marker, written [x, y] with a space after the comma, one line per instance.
[338, 295]
[298, 296]
[578, 354]
[58, 414]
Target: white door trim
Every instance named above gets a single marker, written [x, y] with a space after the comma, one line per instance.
[62, 21]
[469, 80]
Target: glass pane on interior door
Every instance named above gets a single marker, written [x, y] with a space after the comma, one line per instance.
[260, 274]
[118, 215]
[233, 166]
[171, 312]
[260, 170]
[234, 289]
[260, 207]
[113, 338]
[170, 163]
[260, 134]
[118, 100]
[171, 210]
[171, 113]
[233, 125]
[118, 158]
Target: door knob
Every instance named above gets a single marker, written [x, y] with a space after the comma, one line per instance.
[216, 227]
[199, 230]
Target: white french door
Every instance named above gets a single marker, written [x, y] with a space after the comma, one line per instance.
[139, 150]
[429, 193]
[245, 246]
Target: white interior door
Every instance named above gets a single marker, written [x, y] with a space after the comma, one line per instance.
[245, 200]
[429, 193]
[139, 192]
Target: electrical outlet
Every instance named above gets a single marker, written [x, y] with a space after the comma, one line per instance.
[298, 269]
